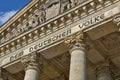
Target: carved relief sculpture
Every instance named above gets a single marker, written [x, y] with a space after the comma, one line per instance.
[42, 14]
[25, 25]
[19, 28]
[22, 27]
[31, 61]
[33, 21]
[65, 5]
[77, 40]
[52, 8]
[73, 2]
[14, 32]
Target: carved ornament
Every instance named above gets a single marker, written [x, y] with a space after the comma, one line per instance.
[76, 41]
[103, 68]
[116, 20]
[31, 61]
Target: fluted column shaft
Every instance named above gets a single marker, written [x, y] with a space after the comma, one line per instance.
[103, 71]
[31, 65]
[77, 48]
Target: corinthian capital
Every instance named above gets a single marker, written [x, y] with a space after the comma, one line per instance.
[31, 61]
[77, 40]
[103, 68]
[116, 20]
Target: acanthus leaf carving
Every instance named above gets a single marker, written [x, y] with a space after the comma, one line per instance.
[76, 41]
[31, 61]
[104, 68]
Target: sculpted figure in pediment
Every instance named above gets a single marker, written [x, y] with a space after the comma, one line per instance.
[52, 8]
[14, 32]
[19, 28]
[65, 5]
[22, 27]
[42, 14]
[25, 26]
[73, 2]
[33, 21]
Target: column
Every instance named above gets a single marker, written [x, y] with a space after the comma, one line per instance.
[31, 64]
[77, 48]
[5, 75]
[1, 75]
[103, 71]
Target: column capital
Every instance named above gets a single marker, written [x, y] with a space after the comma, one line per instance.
[116, 20]
[76, 41]
[31, 61]
[103, 68]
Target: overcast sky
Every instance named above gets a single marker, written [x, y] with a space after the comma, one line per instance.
[9, 7]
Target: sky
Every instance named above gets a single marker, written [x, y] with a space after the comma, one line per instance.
[9, 7]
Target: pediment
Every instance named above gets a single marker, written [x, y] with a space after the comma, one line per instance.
[32, 15]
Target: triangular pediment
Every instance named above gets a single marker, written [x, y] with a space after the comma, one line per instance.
[33, 14]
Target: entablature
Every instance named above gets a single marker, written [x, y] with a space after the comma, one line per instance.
[60, 22]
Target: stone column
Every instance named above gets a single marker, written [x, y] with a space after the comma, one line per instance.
[76, 44]
[31, 64]
[5, 75]
[1, 76]
[103, 71]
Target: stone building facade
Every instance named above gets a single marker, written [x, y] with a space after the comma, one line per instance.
[62, 40]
